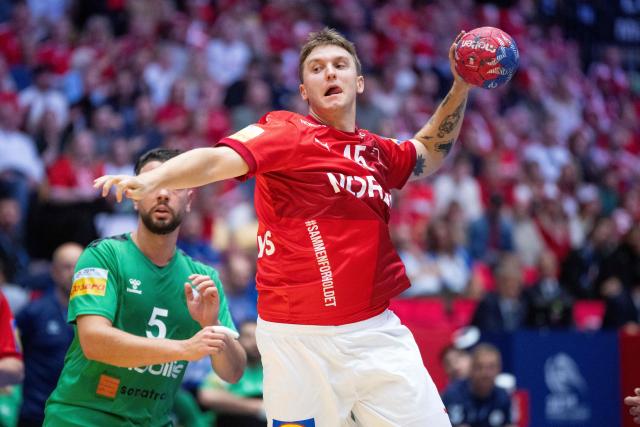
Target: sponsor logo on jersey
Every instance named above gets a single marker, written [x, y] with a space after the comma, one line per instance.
[168, 370]
[359, 186]
[145, 393]
[134, 283]
[89, 281]
[107, 386]
[250, 132]
[322, 144]
[302, 423]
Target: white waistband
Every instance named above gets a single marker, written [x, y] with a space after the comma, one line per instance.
[297, 329]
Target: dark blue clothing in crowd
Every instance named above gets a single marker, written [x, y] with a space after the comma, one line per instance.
[45, 336]
[464, 408]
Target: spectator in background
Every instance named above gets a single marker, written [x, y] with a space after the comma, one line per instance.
[143, 132]
[20, 167]
[72, 202]
[192, 242]
[477, 401]
[16, 295]
[13, 253]
[460, 186]
[240, 404]
[621, 269]
[227, 54]
[504, 310]
[549, 303]
[451, 261]
[239, 285]
[121, 217]
[456, 363]
[46, 336]
[527, 241]
[11, 366]
[41, 97]
[582, 266]
[491, 235]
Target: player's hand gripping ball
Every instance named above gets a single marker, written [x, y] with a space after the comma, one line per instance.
[486, 57]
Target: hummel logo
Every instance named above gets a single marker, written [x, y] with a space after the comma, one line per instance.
[322, 144]
[134, 286]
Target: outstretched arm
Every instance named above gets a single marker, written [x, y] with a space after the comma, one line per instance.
[193, 168]
[436, 138]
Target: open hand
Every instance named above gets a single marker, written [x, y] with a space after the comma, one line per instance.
[452, 61]
[204, 303]
[133, 187]
[634, 403]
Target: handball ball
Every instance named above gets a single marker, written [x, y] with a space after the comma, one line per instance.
[486, 57]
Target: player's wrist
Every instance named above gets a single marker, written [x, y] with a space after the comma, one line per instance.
[460, 86]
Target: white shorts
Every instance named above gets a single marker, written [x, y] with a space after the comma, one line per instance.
[368, 373]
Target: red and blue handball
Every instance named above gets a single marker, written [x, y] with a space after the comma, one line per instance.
[486, 57]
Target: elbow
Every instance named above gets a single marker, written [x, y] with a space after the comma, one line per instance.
[234, 374]
[12, 371]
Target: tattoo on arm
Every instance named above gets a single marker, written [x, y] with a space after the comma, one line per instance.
[419, 167]
[445, 147]
[451, 121]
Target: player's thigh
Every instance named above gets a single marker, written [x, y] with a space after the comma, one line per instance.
[297, 387]
[395, 388]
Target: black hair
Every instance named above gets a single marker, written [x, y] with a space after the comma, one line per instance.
[155, 155]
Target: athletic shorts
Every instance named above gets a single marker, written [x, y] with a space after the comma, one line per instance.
[368, 373]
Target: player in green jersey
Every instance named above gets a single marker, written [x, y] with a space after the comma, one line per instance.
[138, 321]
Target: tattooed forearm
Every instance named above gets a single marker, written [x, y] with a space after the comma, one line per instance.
[419, 167]
[445, 147]
[451, 121]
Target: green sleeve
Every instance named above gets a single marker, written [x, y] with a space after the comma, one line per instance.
[224, 315]
[94, 289]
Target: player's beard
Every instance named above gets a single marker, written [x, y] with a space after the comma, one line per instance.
[162, 226]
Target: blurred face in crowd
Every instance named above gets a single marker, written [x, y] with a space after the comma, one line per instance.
[457, 364]
[548, 265]
[509, 278]
[485, 367]
[9, 214]
[162, 211]
[330, 81]
[63, 264]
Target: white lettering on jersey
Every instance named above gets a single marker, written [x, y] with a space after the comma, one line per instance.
[265, 245]
[357, 157]
[324, 267]
[168, 370]
[359, 186]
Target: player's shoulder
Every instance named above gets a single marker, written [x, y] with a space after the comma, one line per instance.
[300, 122]
[108, 242]
[197, 266]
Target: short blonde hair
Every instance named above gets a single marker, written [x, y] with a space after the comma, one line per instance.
[327, 36]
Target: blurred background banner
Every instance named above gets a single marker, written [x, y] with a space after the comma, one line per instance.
[572, 378]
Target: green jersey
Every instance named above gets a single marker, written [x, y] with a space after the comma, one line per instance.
[114, 279]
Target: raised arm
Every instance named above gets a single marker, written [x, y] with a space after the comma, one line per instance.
[436, 138]
[193, 168]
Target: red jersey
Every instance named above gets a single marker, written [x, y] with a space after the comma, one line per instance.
[8, 347]
[323, 201]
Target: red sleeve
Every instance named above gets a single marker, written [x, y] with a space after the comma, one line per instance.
[8, 346]
[401, 157]
[267, 146]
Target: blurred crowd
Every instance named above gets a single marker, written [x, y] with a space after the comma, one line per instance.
[538, 206]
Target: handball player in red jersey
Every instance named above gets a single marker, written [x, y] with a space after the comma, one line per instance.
[333, 354]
